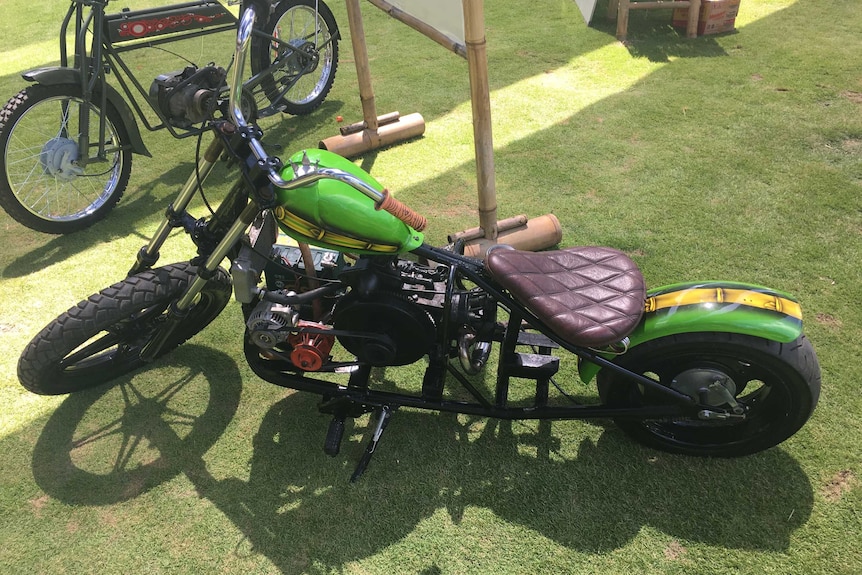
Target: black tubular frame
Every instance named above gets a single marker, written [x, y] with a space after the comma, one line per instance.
[358, 392]
[98, 28]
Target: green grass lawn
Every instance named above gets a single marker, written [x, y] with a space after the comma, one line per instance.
[733, 157]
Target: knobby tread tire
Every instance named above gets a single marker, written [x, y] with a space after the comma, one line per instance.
[39, 367]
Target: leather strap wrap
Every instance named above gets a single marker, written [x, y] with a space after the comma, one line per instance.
[402, 212]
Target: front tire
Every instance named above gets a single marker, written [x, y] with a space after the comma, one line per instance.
[43, 185]
[776, 386]
[102, 337]
[309, 65]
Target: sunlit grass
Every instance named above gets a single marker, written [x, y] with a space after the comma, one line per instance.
[733, 157]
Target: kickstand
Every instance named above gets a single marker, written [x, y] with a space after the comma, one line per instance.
[383, 415]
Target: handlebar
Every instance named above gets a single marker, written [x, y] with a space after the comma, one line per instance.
[382, 199]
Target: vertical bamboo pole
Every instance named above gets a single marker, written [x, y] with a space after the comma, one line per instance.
[622, 19]
[480, 95]
[363, 70]
[693, 17]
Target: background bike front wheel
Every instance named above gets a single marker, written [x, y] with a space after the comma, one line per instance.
[44, 184]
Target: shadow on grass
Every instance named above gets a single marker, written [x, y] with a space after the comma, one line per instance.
[297, 508]
[96, 448]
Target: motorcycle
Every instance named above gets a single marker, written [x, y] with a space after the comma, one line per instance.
[713, 368]
[67, 140]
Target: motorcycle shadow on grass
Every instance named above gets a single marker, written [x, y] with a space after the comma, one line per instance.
[298, 508]
[297, 504]
[115, 442]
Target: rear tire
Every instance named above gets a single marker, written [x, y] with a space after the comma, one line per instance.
[776, 384]
[101, 338]
[43, 186]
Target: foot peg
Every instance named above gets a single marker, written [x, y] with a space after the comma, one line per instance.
[334, 435]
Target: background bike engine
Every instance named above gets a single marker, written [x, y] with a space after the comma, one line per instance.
[188, 96]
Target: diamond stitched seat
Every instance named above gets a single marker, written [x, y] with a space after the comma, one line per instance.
[589, 296]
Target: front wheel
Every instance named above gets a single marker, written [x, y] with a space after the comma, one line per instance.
[56, 178]
[304, 59]
[773, 386]
[102, 337]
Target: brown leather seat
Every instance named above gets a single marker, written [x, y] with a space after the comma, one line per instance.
[589, 296]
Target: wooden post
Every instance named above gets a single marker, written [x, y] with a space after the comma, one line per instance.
[480, 95]
[622, 19]
[620, 9]
[363, 71]
[375, 131]
[693, 16]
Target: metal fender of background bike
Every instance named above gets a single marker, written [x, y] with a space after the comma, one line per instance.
[723, 307]
[55, 75]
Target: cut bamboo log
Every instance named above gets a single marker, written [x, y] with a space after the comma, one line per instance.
[536, 234]
[373, 131]
[386, 134]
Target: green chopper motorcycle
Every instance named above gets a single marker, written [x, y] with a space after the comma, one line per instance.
[709, 369]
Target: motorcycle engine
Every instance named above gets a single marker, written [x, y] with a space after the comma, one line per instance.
[189, 96]
[386, 329]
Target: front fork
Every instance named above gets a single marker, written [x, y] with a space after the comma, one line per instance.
[179, 309]
[177, 216]
[149, 254]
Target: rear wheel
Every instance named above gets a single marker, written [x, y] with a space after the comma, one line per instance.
[101, 338]
[305, 68]
[48, 183]
[774, 386]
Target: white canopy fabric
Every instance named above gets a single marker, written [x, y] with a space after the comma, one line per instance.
[587, 8]
[446, 16]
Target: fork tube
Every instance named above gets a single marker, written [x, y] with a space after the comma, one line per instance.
[179, 310]
[219, 253]
[149, 254]
[87, 85]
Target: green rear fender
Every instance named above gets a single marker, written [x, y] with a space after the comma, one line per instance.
[334, 215]
[723, 307]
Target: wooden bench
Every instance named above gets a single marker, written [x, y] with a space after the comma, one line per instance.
[619, 9]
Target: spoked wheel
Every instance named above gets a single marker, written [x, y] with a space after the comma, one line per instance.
[48, 182]
[102, 337]
[305, 68]
[770, 388]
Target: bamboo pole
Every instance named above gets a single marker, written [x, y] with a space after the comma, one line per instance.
[363, 70]
[480, 96]
[693, 17]
[373, 131]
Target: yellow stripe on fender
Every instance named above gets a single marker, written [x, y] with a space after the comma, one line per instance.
[724, 296]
